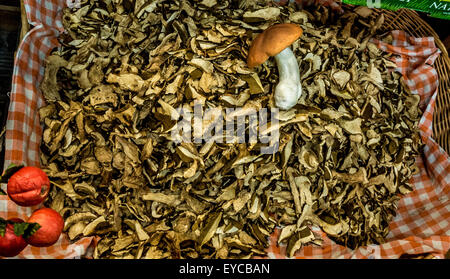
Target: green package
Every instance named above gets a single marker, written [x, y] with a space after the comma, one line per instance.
[435, 8]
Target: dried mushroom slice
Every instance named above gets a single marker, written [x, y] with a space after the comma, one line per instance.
[113, 93]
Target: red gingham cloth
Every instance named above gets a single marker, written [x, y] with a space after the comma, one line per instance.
[422, 224]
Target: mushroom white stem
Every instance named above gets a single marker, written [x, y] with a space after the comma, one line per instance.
[289, 88]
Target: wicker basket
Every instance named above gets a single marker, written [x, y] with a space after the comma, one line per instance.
[25, 27]
[413, 24]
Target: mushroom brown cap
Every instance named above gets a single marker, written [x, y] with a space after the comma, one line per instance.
[272, 41]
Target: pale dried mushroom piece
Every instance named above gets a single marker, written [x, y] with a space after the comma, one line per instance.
[49, 85]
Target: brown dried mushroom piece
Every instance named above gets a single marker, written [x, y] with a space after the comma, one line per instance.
[112, 91]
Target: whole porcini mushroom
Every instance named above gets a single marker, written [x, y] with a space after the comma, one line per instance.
[275, 41]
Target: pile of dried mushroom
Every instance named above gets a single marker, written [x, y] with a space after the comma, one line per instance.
[346, 150]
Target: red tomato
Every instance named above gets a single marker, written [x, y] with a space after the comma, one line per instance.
[51, 228]
[29, 186]
[11, 245]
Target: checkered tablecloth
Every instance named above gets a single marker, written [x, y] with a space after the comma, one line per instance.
[422, 224]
